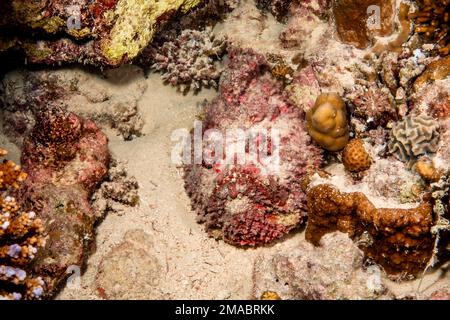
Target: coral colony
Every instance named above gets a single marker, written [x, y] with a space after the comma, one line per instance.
[326, 120]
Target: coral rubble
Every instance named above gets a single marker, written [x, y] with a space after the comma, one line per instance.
[327, 122]
[248, 204]
[334, 270]
[21, 236]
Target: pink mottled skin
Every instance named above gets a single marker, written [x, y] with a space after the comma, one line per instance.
[243, 205]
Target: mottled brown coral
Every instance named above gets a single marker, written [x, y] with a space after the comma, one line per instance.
[327, 122]
[436, 70]
[352, 20]
[400, 240]
[432, 21]
[355, 157]
[427, 171]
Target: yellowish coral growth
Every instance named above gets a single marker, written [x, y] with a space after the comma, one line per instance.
[327, 122]
[355, 157]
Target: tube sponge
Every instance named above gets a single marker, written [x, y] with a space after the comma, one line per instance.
[327, 122]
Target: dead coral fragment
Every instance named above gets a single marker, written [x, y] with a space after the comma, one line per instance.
[400, 240]
[413, 136]
[327, 122]
[432, 20]
[188, 61]
[21, 234]
[355, 157]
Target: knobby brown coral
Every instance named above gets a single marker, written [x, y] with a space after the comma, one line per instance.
[21, 234]
[432, 20]
[327, 122]
[400, 240]
[355, 157]
[413, 136]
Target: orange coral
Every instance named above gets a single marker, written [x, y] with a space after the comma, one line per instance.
[21, 234]
[427, 171]
[355, 157]
[432, 20]
[398, 239]
[327, 122]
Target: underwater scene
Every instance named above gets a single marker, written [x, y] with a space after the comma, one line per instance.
[224, 149]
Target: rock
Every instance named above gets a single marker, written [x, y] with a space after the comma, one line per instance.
[352, 20]
[331, 271]
[131, 270]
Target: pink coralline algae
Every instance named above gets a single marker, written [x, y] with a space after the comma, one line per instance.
[242, 202]
[65, 158]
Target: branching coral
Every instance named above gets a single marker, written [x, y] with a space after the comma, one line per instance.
[189, 60]
[249, 203]
[21, 235]
[327, 122]
[413, 136]
[398, 239]
[432, 20]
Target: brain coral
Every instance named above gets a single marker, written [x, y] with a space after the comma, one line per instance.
[413, 136]
[241, 202]
[327, 122]
[21, 234]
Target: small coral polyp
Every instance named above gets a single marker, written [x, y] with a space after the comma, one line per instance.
[21, 235]
[238, 202]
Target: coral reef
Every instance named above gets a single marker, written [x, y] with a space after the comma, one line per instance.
[334, 270]
[94, 32]
[327, 122]
[355, 157]
[398, 239]
[415, 135]
[21, 235]
[188, 61]
[65, 158]
[98, 97]
[352, 20]
[254, 202]
[432, 21]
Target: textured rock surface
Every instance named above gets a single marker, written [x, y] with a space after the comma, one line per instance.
[352, 20]
[65, 157]
[334, 270]
[131, 270]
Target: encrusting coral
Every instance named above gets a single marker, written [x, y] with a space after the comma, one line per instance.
[415, 135]
[21, 235]
[432, 20]
[400, 240]
[188, 61]
[257, 201]
[355, 157]
[327, 122]
[427, 171]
